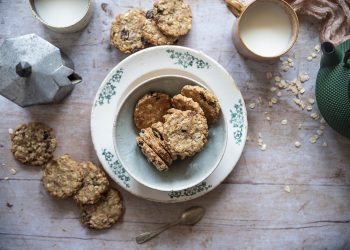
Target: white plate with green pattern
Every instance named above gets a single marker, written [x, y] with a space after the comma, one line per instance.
[159, 61]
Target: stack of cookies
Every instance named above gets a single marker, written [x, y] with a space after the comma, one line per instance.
[176, 127]
[163, 25]
[101, 206]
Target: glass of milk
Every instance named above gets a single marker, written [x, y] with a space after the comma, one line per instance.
[264, 29]
[63, 15]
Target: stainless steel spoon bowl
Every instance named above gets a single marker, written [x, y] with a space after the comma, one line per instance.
[189, 217]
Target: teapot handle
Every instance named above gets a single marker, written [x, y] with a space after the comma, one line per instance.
[347, 59]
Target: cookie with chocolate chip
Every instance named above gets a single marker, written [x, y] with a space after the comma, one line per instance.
[206, 100]
[151, 155]
[150, 109]
[173, 17]
[103, 214]
[62, 177]
[126, 31]
[33, 144]
[95, 183]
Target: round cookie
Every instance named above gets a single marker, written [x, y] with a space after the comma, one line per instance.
[185, 132]
[148, 136]
[157, 129]
[153, 35]
[105, 212]
[151, 155]
[186, 103]
[206, 99]
[126, 31]
[62, 177]
[173, 17]
[33, 143]
[95, 183]
[150, 109]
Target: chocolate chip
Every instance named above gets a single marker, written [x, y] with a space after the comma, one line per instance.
[46, 135]
[183, 130]
[140, 143]
[202, 96]
[124, 35]
[149, 14]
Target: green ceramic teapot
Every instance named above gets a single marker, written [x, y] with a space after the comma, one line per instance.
[333, 86]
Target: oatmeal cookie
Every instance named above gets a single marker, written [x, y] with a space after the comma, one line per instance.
[151, 155]
[157, 129]
[150, 109]
[95, 183]
[185, 132]
[149, 136]
[153, 35]
[33, 143]
[62, 177]
[105, 212]
[126, 31]
[173, 17]
[186, 103]
[206, 99]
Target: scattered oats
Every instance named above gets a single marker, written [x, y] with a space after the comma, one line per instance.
[317, 48]
[268, 118]
[274, 100]
[324, 144]
[322, 121]
[311, 100]
[270, 104]
[314, 55]
[279, 94]
[303, 77]
[290, 60]
[284, 122]
[319, 132]
[252, 105]
[268, 75]
[285, 63]
[322, 127]
[309, 108]
[277, 79]
[309, 58]
[314, 138]
[10, 131]
[13, 171]
[287, 189]
[291, 64]
[297, 144]
[263, 147]
[299, 102]
[302, 91]
[300, 125]
[285, 68]
[6, 178]
[314, 116]
[273, 89]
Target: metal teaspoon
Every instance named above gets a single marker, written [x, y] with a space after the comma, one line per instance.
[189, 217]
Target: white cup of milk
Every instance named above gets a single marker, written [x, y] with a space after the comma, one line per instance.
[63, 16]
[264, 29]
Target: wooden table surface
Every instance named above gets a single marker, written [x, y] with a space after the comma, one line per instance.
[250, 210]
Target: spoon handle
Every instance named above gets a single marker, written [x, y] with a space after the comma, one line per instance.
[146, 236]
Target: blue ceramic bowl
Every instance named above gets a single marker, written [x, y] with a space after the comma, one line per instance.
[182, 174]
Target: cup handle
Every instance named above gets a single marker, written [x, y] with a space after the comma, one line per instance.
[235, 7]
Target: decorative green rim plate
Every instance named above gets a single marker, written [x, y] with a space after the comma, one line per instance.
[157, 61]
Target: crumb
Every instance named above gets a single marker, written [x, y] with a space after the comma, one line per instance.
[277, 79]
[297, 144]
[10, 131]
[274, 100]
[13, 171]
[300, 125]
[317, 48]
[263, 147]
[273, 89]
[268, 118]
[290, 60]
[319, 132]
[309, 108]
[314, 55]
[314, 138]
[324, 144]
[302, 91]
[285, 68]
[311, 100]
[322, 127]
[268, 75]
[287, 189]
[309, 58]
[304, 77]
[314, 116]
[279, 94]
[8, 204]
[322, 121]
[252, 105]
[284, 122]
